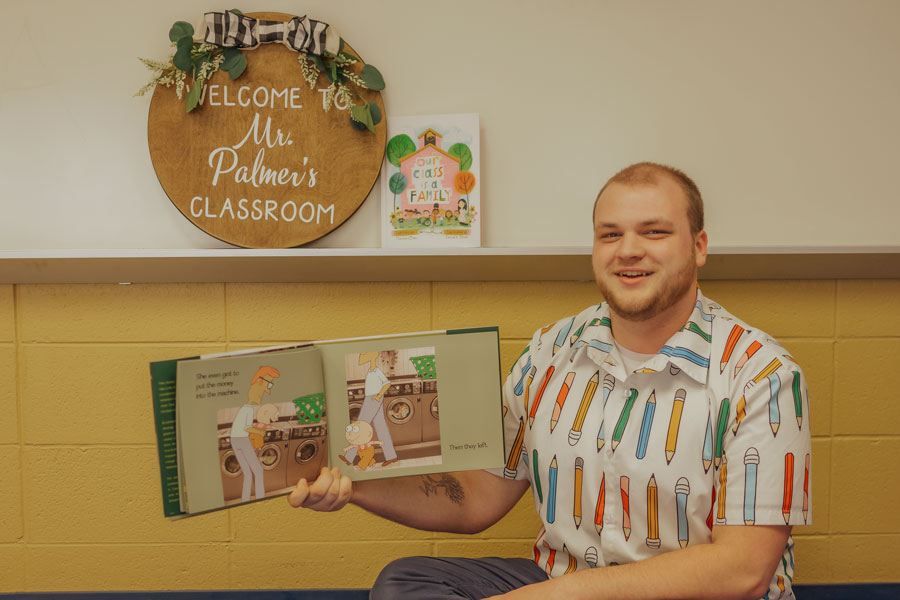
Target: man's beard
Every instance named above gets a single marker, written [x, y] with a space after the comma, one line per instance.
[644, 309]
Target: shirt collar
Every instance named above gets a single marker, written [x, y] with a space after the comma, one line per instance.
[688, 350]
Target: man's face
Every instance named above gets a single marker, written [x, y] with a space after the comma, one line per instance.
[262, 386]
[645, 259]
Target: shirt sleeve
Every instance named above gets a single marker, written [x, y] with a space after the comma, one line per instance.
[513, 417]
[767, 446]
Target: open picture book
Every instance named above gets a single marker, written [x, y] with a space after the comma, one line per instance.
[242, 426]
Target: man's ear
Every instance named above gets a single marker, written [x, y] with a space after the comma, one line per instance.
[700, 244]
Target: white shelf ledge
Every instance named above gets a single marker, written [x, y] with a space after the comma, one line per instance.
[377, 264]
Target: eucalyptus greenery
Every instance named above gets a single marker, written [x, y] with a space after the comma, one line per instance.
[201, 59]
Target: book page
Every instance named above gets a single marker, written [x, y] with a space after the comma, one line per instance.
[250, 426]
[411, 405]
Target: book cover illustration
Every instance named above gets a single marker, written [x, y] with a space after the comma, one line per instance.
[431, 182]
[392, 404]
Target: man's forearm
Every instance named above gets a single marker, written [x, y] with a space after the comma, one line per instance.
[463, 502]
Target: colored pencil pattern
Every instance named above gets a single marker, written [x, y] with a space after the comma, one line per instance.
[586, 399]
[690, 488]
[682, 491]
[551, 490]
[561, 399]
[646, 425]
[623, 419]
[674, 424]
[652, 513]
[579, 478]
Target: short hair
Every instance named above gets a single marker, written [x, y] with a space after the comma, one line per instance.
[265, 372]
[367, 357]
[650, 173]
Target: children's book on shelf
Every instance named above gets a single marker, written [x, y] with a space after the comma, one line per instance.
[239, 427]
[431, 182]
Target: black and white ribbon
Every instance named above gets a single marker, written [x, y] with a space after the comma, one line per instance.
[230, 30]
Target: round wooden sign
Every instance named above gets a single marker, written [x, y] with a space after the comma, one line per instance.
[259, 163]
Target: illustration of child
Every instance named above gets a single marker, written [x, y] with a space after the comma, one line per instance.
[265, 414]
[359, 434]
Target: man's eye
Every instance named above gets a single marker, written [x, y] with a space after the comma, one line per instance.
[608, 235]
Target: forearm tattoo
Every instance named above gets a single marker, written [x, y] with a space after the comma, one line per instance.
[450, 484]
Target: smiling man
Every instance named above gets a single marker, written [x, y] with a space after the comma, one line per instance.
[674, 460]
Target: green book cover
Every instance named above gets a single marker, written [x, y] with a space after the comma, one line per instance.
[251, 424]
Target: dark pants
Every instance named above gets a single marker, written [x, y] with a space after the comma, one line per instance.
[453, 578]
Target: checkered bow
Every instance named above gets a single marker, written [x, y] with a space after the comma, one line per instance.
[231, 30]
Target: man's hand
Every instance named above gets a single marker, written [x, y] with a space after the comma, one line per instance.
[329, 492]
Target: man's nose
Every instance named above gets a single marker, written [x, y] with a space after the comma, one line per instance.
[630, 246]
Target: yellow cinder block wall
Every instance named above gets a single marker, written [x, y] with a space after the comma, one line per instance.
[79, 492]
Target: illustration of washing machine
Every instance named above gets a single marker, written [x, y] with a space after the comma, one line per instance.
[271, 454]
[431, 421]
[307, 452]
[232, 478]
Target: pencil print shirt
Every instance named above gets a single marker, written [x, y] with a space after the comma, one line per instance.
[623, 465]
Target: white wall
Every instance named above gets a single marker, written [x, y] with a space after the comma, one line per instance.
[785, 113]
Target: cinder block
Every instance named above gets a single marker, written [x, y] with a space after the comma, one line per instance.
[91, 394]
[315, 311]
[104, 495]
[9, 413]
[812, 559]
[868, 308]
[7, 314]
[121, 313]
[126, 567]
[11, 525]
[519, 308]
[865, 558]
[816, 357]
[12, 557]
[282, 523]
[866, 381]
[318, 564]
[865, 485]
[480, 548]
[821, 481]
[780, 308]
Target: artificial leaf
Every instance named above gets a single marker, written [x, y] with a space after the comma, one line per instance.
[320, 64]
[398, 147]
[232, 57]
[182, 58]
[341, 45]
[376, 113]
[357, 124]
[372, 78]
[235, 11]
[179, 30]
[362, 115]
[239, 66]
[193, 97]
[462, 152]
[334, 74]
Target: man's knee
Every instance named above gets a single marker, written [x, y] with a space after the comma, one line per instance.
[397, 575]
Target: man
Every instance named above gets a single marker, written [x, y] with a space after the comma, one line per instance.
[372, 410]
[261, 384]
[666, 442]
